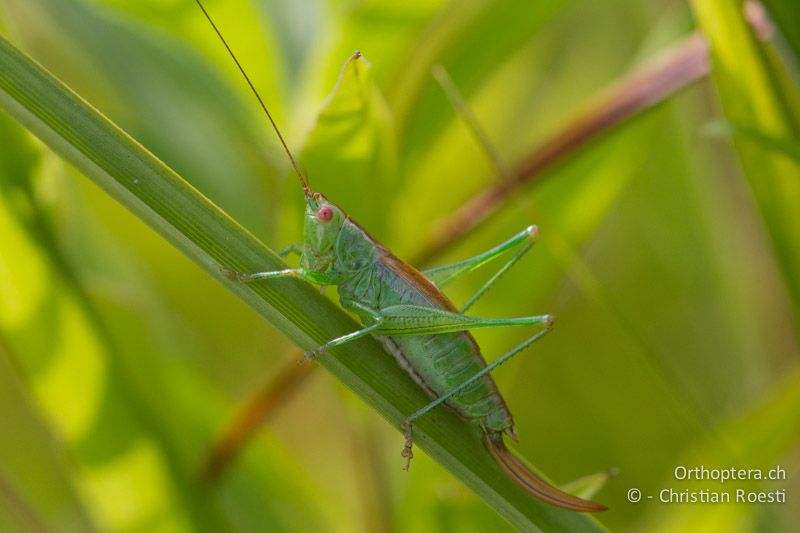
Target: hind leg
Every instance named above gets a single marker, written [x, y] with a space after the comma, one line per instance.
[408, 423]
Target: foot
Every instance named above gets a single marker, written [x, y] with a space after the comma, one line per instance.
[308, 356]
[231, 274]
[407, 453]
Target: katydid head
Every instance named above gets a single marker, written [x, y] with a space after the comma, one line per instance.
[323, 222]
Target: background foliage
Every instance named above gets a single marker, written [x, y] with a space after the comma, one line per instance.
[668, 253]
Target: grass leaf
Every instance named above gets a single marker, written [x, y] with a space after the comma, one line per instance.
[209, 237]
[757, 94]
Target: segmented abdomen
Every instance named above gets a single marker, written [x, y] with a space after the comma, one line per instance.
[439, 362]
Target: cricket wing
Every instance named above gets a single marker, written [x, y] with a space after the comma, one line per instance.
[414, 278]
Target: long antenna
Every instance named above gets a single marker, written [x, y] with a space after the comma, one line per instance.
[303, 180]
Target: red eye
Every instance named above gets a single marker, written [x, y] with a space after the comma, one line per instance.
[325, 213]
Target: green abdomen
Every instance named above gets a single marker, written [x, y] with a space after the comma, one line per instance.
[439, 362]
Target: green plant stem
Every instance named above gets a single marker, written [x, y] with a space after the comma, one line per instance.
[208, 236]
[759, 95]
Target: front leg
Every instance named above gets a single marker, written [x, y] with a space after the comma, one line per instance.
[235, 275]
[296, 248]
[286, 273]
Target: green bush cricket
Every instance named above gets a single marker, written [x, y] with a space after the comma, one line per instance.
[417, 324]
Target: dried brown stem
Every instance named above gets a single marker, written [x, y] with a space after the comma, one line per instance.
[253, 414]
[660, 78]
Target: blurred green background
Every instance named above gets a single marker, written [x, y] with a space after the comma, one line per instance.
[669, 254]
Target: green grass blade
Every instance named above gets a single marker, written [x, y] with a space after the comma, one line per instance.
[790, 148]
[115, 428]
[758, 94]
[785, 14]
[209, 237]
[36, 493]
